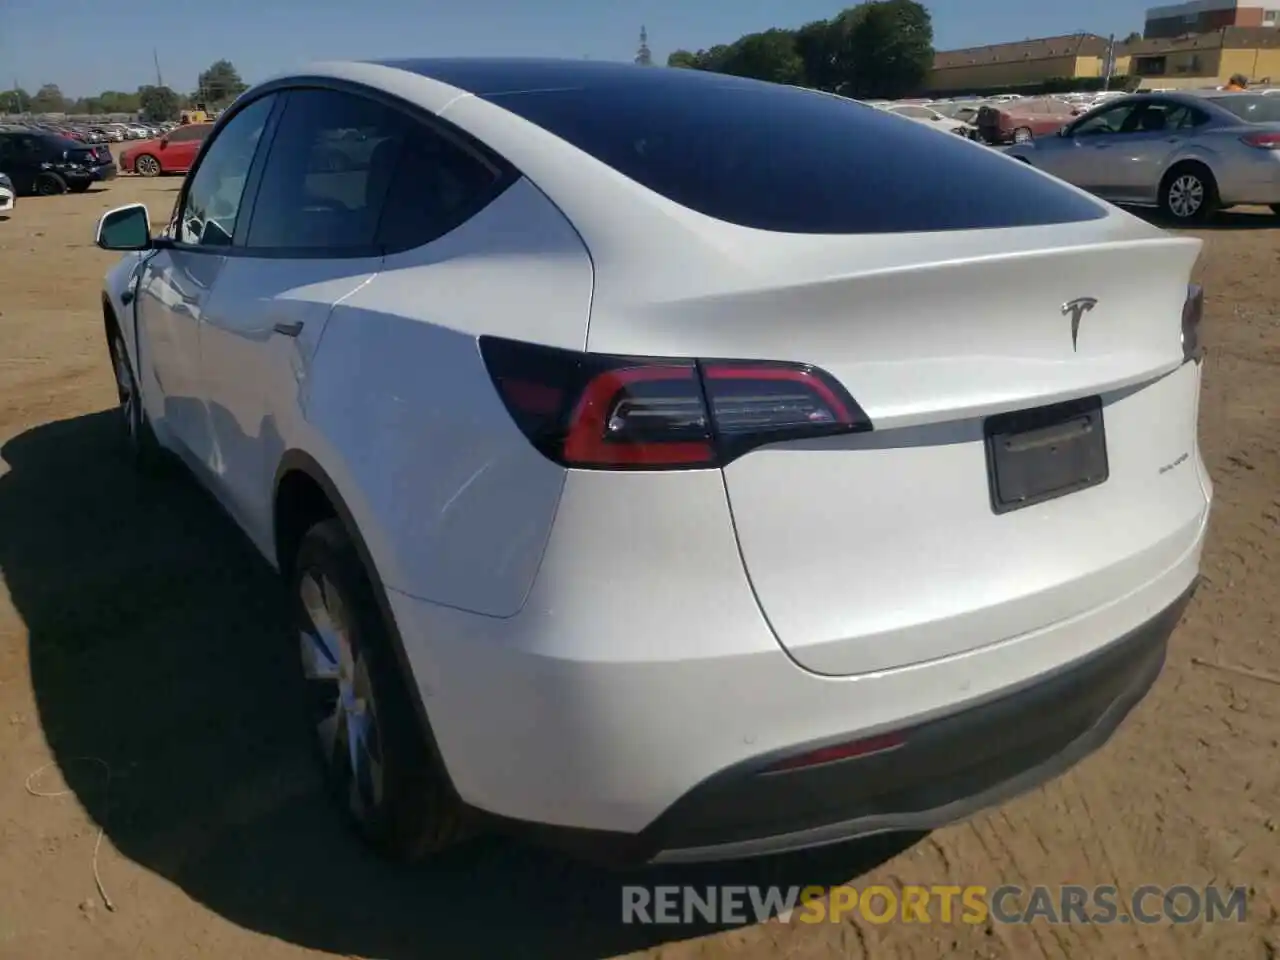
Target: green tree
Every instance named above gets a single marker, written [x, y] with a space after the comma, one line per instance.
[888, 49]
[158, 104]
[770, 55]
[116, 101]
[712, 59]
[818, 46]
[1133, 37]
[48, 99]
[14, 101]
[881, 48]
[219, 85]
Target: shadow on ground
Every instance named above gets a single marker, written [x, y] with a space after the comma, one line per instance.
[159, 643]
[1254, 218]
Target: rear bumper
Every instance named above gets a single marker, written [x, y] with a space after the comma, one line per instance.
[947, 769]
[102, 172]
[951, 765]
[628, 727]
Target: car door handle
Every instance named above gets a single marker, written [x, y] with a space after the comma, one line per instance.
[288, 329]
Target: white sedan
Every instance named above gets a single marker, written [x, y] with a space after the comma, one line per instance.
[933, 118]
[667, 464]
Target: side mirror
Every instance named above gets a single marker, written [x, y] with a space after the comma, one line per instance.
[125, 228]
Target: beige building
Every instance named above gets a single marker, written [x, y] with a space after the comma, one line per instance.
[1205, 59]
[1018, 64]
[1206, 16]
[1193, 60]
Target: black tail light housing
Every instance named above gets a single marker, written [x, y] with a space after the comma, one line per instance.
[1192, 315]
[604, 412]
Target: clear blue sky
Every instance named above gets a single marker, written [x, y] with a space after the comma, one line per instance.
[86, 46]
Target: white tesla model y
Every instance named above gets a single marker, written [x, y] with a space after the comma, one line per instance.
[673, 465]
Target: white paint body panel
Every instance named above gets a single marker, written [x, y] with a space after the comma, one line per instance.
[591, 645]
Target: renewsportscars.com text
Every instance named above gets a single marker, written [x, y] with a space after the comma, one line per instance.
[1009, 904]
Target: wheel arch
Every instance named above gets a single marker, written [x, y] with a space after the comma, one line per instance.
[300, 475]
[302, 494]
[1189, 160]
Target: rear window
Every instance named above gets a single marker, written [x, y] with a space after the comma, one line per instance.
[61, 144]
[783, 159]
[1259, 109]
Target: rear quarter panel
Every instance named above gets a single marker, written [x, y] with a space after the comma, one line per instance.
[452, 500]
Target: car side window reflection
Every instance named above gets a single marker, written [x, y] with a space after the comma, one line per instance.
[212, 202]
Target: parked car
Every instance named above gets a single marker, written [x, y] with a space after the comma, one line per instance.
[1187, 153]
[664, 483]
[172, 153]
[46, 164]
[925, 115]
[8, 194]
[1016, 121]
[964, 110]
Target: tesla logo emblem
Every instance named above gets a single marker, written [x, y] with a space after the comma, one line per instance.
[1076, 309]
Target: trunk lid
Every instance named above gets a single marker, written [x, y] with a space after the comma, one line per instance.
[879, 550]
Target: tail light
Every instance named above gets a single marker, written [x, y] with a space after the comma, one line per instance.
[601, 412]
[1262, 141]
[1192, 314]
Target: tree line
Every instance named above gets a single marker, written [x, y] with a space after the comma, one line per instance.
[215, 88]
[878, 49]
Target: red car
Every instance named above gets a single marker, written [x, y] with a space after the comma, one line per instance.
[1021, 120]
[172, 153]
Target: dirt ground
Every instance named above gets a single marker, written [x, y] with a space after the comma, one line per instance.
[144, 663]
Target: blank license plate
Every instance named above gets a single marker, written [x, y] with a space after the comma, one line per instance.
[1038, 455]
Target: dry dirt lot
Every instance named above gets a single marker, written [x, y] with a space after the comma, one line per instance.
[138, 629]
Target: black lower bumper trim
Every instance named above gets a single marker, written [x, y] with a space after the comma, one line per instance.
[948, 768]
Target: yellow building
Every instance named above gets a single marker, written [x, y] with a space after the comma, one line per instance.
[1194, 60]
[1203, 59]
[1018, 64]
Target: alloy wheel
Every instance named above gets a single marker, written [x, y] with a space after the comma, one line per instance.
[147, 166]
[1186, 196]
[345, 714]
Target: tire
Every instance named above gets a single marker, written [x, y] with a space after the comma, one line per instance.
[1188, 194]
[50, 185]
[146, 166]
[1021, 134]
[392, 788]
[139, 439]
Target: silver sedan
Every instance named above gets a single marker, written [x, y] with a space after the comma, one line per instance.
[1187, 153]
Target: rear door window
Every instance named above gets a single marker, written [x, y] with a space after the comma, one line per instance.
[439, 183]
[190, 132]
[779, 158]
[327, 174]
